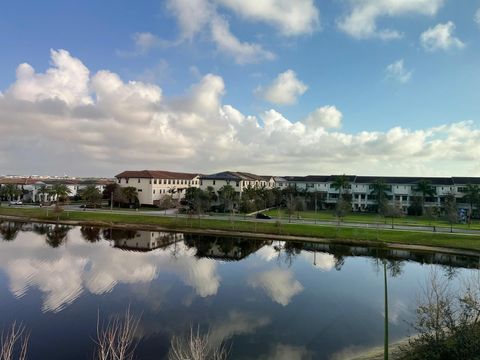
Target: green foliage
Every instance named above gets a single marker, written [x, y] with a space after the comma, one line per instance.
[92, 196]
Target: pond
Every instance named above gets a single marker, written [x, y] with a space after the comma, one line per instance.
[265, 299]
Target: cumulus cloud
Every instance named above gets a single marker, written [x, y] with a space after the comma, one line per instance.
[290, 17]
[242, 52]
[397, 71]
[477, 17]
[284, 90]
[202, 17]
[440, 37]
[279, 285]
[361, 20]
[99, 124]
[327, 117]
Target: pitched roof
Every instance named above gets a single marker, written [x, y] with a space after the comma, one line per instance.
[156, 174]
[18, 181]
[233, 176]
[466, 180]
[404, 180]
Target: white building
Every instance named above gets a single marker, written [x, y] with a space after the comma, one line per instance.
[238, 180]
[152, 185]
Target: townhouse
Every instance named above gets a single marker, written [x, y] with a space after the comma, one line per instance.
[153, 185]
[238, 180]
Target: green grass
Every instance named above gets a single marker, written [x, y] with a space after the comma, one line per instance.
[315, 231]
[372, 218]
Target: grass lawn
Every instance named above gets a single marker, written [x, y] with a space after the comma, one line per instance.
[372, 218]
[315, 231]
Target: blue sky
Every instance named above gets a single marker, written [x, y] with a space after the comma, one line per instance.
[332, 61]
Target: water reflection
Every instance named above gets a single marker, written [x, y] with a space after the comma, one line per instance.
[272, 299]
[9, 230]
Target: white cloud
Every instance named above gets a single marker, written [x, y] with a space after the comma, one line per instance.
[144, 42]
[398, 72]
[477, 17]
[324, 117]
[279, 285]
[243, 53]
[202, 17]
[112, 125]
[284, 90]
[67, 80]
[440, 37]
[361, 20]
[290, 17]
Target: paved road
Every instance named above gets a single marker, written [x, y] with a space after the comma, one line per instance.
[172, 213]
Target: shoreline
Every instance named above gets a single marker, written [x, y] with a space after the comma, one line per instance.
[248, 234]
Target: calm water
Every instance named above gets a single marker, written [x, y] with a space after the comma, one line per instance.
[267, 300]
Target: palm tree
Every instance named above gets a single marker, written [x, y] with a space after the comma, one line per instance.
[92, 195]
[472, 196]
[91, 233]
[44, 190]
[340, 184]
[424, 187]
[10, 191]
[61, 192]
[379, 189]
[9, 230]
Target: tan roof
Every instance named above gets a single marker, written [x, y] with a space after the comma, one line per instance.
[18, 181]
[156, 174]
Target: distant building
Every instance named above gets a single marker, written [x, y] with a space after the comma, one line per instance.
[238, 180]
[152, 185]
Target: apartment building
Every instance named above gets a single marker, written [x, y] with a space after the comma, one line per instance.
[238, 180]
[400, 190]
[152, 185]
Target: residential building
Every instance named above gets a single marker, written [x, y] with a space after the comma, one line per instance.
[153, 185]
[238, 180]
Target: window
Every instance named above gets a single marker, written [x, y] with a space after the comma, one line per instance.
[126, 181]
[139, 190]
[150, 181]
[213, 182]
[155, 181]
[237, 184]
[169, 181]
[139, 181]
[154, 192]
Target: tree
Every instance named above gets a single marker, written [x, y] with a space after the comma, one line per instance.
[379, 191]
[451, 210]
[342, 208]
[10, 191]
[393, 211]
[110, 189]
[425, 188]
[61, 192]
[130, 194]
[340, 184]
[471, 196]
[227, 196]
[92, 196]
[193, 200]
[43, 190]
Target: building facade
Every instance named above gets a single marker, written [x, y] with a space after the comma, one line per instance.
[153, 185]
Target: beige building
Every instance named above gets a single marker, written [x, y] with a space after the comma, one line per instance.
[238, 180]
[152, 185]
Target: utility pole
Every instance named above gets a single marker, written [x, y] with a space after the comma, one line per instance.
[385, 350]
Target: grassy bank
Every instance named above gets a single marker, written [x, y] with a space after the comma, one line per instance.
[372, 218]
[315, 231]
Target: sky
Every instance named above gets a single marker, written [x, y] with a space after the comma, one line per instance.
[280, 87]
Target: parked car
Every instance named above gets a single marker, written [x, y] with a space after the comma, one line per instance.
[15, 202]
[263, 216]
